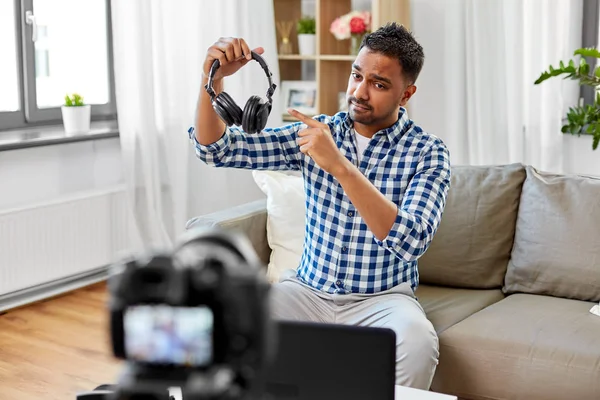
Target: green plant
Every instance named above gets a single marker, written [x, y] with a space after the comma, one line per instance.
[584, 118]
[74, 100]
[307, 25]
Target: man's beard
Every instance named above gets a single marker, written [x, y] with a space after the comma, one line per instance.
[366, 117]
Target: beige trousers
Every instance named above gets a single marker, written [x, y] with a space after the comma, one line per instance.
[417, 348]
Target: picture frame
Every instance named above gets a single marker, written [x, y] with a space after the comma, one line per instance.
[299, 95]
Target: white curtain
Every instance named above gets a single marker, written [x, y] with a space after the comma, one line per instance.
[476, 90]
[159, 49]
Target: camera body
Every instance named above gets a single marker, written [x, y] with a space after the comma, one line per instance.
[196, 317]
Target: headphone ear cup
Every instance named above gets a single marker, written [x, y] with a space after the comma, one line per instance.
[262, 116]
[249, 118]
[223, 113]
[226, 108]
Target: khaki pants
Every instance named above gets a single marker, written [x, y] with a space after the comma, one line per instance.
[417, 349]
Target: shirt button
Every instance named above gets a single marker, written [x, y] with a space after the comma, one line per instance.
[350, 213]
[338, 282]
[344, 249]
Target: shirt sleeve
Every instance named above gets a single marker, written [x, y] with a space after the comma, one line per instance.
[271, 149]
[421, 210]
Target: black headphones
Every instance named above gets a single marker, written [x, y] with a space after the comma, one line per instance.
[256, 111]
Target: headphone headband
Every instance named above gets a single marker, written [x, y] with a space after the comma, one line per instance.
[216, 64]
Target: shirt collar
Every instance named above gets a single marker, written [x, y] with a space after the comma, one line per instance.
[393, 132]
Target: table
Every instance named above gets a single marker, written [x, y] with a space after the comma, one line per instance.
[405, 393]
[402, 393]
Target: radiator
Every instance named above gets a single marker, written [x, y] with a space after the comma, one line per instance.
[61, 240]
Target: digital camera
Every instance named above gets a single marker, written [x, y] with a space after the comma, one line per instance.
[195, 318]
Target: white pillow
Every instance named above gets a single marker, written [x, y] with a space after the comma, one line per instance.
[285, 219]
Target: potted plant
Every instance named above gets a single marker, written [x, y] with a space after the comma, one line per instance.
[76, 115]
[306, 28]
[582, 118]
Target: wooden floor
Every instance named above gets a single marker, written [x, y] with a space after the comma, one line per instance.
[56, 348]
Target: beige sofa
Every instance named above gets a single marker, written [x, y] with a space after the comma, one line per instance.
[508, 282]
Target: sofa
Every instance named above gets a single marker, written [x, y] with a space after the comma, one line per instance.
[509, 280]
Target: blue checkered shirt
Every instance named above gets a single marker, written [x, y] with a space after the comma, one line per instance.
[341, 255]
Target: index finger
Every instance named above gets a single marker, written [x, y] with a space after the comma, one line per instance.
[313, 123]
[245, 49]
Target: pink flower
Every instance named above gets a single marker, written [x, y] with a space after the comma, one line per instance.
[356, 22]
[340, 29]
[366, 16]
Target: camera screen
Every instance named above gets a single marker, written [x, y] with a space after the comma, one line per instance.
[160, 334]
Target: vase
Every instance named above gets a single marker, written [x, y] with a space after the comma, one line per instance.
[306, 44]
[285, 47]
[76, 119]
[284, 28]
[355, 41]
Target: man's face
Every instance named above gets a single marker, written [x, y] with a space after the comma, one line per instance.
[376, 89]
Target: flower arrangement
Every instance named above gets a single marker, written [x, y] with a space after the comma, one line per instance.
[353, 25]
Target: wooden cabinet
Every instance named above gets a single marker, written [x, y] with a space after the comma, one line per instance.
[332, 61]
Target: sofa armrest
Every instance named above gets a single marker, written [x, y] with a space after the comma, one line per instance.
[250, 219]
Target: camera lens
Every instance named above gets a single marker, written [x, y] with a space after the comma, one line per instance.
[152, 277]
[209, 277]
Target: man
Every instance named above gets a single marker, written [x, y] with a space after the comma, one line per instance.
[376, 186]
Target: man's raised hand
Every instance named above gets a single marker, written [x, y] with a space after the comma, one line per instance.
[232, 53]
[317, 142]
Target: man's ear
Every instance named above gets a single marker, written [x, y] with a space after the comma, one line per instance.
[408, 93]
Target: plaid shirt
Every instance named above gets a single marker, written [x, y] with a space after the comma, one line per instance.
[341, 255]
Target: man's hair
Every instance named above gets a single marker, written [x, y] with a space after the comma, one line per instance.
[396, 41]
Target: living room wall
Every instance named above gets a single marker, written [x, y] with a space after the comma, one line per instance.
[442, 107]
[50, 173]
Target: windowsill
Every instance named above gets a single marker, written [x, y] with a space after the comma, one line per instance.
[36, 136]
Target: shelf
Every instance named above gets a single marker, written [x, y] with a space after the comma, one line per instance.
[337, 57]
[288, 118]
[297, 57]
[331, 62]
[324, 57]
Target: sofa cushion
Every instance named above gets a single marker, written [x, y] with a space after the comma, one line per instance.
[557, 238]
[472, 245]
[285, 219]
[524, 347]
[249, 219]
[446, 306]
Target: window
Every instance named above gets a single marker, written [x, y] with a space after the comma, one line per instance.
[9, 76]
[54, 47]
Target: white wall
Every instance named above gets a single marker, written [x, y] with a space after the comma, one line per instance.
[579, 158]
[44, 174]
[47, 173]
[431, 104]
[427, 106]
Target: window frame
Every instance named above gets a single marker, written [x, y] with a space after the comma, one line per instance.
[589, 38]
[29, 114]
